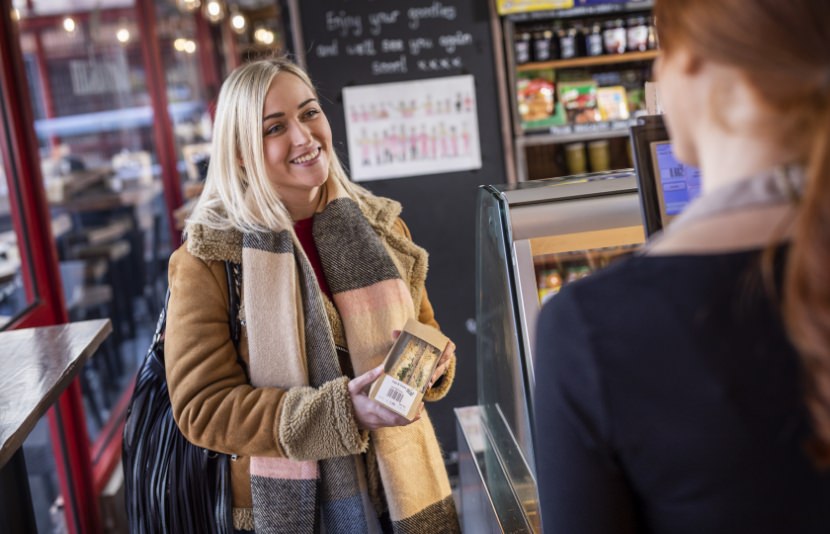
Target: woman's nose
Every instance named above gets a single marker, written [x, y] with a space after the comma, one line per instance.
[300, 134]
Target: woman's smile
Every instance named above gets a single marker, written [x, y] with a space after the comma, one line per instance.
[309, 158]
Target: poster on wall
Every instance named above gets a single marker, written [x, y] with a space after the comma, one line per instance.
[412, 128]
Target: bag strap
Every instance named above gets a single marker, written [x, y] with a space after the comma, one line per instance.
[233, 272]
[161, 324]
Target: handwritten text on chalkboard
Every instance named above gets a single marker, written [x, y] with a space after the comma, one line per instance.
[395, 41]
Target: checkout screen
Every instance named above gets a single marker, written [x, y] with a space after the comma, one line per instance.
[679, 182]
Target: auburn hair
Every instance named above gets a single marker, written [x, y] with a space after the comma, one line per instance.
[783, 51]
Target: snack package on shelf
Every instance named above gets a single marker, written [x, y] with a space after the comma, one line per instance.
[579, 99]
[612, 103]
[408, 368]
[637, 100]
[537, 101]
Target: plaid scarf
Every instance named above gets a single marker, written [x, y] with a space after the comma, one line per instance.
[291, 345]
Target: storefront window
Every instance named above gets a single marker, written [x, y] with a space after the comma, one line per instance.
[190, 53]
[15, 295]
[93, 121]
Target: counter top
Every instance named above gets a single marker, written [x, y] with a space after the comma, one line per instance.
[36, 365]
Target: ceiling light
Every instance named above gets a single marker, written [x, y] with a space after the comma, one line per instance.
[123, 35]
[238, 22]
[264, 36]
[214, 11]
[69, 24]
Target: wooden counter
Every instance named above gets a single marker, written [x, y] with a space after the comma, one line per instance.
[36, 365]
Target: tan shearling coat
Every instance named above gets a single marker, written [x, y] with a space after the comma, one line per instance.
[214, 405]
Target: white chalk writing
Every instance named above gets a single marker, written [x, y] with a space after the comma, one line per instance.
[344, 23]
[443, 63]
[391, 45]
[419, 43]
[388, 34]
[451, 42]
[328, 50]
[390, 67]
[436, 11]
[377, 20]
[364, 48]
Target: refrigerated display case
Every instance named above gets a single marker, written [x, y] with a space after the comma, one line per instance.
[532, 238]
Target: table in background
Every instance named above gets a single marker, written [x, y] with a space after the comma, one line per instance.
[36, 365]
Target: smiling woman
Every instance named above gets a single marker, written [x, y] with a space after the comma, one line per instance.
[296, 145]
[328, 274]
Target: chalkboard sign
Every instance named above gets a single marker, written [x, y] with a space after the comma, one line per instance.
[352, 44]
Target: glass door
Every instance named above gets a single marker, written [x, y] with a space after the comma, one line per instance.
[31, 290]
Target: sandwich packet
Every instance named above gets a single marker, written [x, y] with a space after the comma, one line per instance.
[408, 368]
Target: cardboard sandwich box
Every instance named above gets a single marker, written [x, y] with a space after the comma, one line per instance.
[408, 368]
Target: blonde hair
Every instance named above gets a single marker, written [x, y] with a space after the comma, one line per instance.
[238, 194]
[781, 48]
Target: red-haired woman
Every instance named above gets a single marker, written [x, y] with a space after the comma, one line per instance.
[688, 389]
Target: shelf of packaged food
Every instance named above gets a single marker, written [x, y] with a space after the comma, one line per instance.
[607, 59]
[572, 133]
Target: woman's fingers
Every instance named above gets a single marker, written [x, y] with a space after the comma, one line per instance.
[359, 383]
[371, 415]
[449, 350]
[443, 363]
[439, 371]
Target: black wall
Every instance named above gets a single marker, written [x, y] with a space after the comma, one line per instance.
[439, 208]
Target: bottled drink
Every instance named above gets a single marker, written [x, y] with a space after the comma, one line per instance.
[522, 47]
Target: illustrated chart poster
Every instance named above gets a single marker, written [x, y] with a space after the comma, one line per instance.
[412, 128]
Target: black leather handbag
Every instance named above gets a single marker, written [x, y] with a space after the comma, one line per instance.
[172, 485]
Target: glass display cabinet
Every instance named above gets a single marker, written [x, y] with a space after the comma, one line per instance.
[532, 238]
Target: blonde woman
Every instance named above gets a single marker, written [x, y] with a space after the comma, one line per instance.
[328, 273]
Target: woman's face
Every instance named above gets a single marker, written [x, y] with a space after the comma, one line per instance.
[296, 140]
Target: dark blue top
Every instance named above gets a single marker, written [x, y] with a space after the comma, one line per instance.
[669, 400]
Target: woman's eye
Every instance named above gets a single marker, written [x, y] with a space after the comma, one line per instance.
[275, 128]
[311, 113]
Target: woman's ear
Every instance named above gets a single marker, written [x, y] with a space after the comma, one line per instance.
[689, 62]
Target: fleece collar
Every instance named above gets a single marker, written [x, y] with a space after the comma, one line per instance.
[220, 245]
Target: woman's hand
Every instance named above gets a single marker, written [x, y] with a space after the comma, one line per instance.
[443, 363]
[370, 414]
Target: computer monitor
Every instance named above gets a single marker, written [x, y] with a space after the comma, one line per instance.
[666, 185]
[678, 183]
